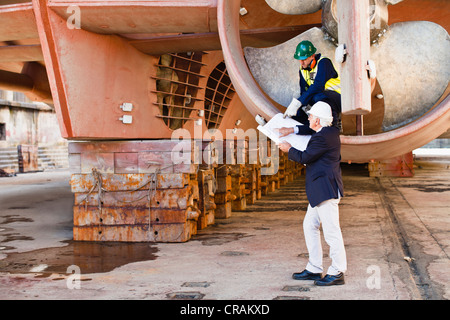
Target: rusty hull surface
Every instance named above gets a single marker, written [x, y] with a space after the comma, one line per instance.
[89, 70]
[251, 255]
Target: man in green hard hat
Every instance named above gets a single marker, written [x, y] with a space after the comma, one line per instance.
[319, 81]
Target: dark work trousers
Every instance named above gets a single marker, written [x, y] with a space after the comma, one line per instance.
[333, 99]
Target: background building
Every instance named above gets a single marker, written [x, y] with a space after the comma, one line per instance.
[30, 138]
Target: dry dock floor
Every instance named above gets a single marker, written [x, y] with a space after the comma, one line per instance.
[396, 234]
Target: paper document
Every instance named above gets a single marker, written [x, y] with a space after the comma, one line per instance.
[299, 142]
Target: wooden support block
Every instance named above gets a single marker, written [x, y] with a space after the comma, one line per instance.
[176, 232]
[130, 146]
[237, 187]
[223, 211]
[145, 156]
[128, 182]
[206, 183]
[272, 185]
[401, 166]
[135, 191]
[236, 169]
[110, 216]
[223, 184]
[223, 195]
[258, 181]
[250, 183]
[239, 204]
[264, 185]
[180, 198]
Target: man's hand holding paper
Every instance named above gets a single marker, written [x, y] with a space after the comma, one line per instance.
[285, 131]
[280, 129]
[284, 146]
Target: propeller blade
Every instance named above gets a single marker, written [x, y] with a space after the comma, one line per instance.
[295, 6]
[275, 69]
[413, 69]
[393, 1]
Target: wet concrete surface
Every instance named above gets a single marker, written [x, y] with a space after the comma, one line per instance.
[396, 234]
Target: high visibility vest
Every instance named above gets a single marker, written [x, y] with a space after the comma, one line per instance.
[334, 84]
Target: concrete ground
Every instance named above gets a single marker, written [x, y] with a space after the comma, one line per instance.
[396, 234]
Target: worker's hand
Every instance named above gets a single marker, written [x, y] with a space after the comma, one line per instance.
[284, 146]
[285, 131]
[292, 108]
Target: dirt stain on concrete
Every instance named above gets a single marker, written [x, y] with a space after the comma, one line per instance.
[437, 187]
[14, 218]
[217, 239]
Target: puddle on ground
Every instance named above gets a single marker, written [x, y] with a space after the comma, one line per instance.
[90, 257]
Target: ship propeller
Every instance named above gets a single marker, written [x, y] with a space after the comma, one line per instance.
[412, 60]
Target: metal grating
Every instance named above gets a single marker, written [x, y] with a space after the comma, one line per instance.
[177, 79]
[218, 95]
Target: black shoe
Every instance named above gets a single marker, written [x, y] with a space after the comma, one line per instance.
[306, 275]
[330, 280]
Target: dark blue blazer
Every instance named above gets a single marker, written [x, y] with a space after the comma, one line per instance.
[322, 158]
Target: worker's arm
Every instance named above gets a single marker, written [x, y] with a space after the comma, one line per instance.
[316, 148]
[304, 130]
[301, 130]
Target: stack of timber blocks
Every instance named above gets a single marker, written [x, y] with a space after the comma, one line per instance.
[223, 196]
[267, 184]
[237, 172]
[132, 191]
[207, 185]
[238, 187]
[250, 181]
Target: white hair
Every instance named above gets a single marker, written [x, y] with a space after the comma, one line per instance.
[324, 122]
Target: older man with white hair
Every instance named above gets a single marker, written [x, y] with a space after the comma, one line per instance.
[324, 188]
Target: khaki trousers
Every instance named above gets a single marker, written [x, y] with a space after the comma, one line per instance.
[327, 214]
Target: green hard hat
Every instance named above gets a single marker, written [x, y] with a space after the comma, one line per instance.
[304, 50]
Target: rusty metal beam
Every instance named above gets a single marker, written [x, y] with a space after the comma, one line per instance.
[116, 17]
[17, 22]
[15, 81]
[20, 53]
[47, 39]
[210, 41]
[243, 81]
[9, 2]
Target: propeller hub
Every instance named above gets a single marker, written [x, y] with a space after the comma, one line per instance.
[378, 19]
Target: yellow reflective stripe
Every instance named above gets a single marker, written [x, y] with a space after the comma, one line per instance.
[333, 84]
